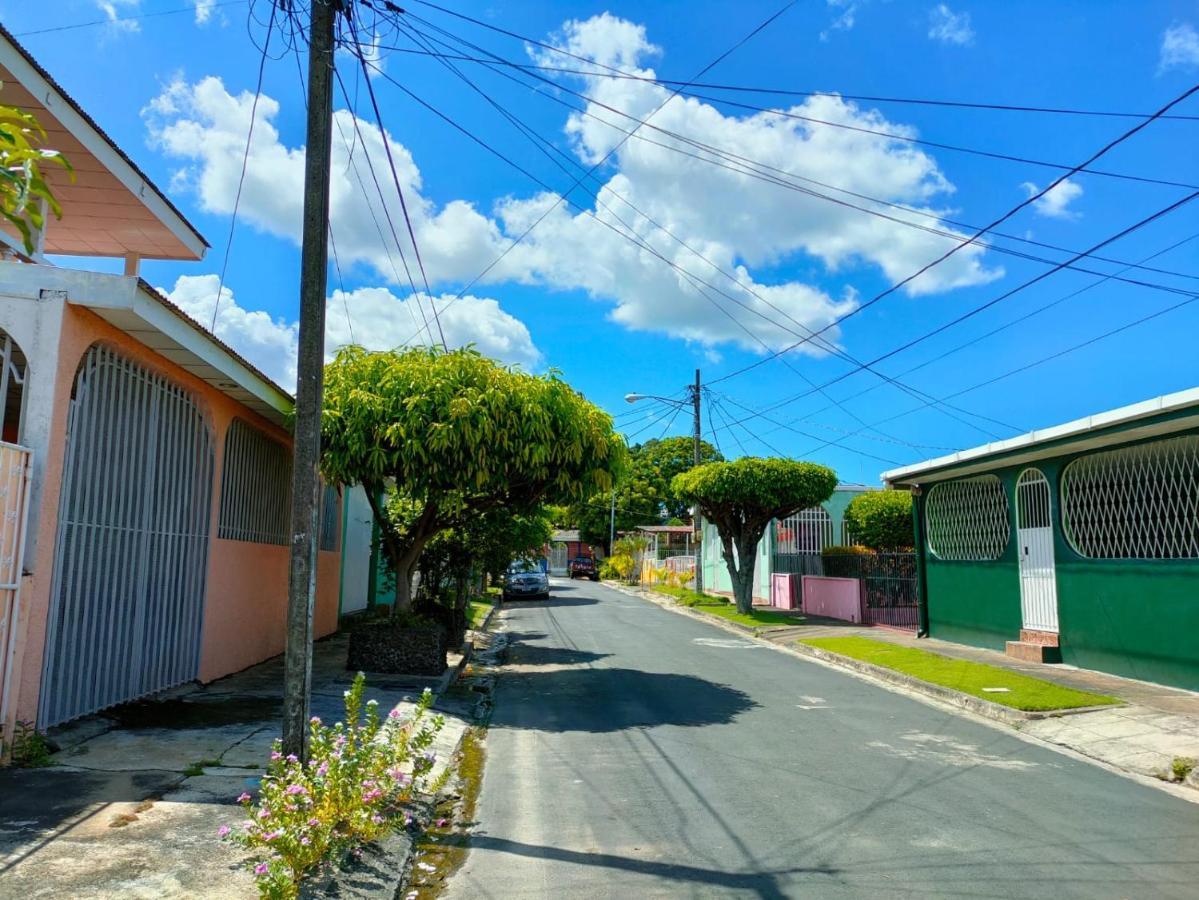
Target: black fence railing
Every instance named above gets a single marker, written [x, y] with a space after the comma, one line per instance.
[890, 593]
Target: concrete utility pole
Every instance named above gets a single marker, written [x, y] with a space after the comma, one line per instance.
[310, 365]
[699, 520]
[612, 523]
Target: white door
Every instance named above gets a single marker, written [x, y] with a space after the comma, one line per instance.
[1034, 541]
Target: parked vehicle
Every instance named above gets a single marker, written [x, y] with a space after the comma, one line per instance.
[525, 579]
[584, 567]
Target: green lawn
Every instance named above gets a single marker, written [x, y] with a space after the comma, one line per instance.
[479, 608]
[716, 606]
[962, 675]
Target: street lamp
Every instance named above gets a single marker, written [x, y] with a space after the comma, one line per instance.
[694, 391]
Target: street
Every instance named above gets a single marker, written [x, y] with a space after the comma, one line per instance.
[635, 752]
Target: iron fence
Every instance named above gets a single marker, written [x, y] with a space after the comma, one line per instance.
[890, 593]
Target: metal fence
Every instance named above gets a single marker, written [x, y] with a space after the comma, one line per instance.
[890, 593]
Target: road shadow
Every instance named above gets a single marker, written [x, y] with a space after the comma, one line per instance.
[556, 600]
[614, 699]
[537, 655]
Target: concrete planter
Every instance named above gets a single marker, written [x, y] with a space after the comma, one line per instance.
[398, 649]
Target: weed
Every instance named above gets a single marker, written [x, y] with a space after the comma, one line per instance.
[1182, 766]
[30, 749]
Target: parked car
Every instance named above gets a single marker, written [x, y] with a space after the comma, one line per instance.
[525, 579]
[584, 567]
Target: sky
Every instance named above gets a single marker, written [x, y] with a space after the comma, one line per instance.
[731, 226]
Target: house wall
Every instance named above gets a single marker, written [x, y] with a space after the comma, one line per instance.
[246, 592]
[1137, 618]
[357, 530]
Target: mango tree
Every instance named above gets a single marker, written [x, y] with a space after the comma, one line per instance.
[455, 435]
[741, 498]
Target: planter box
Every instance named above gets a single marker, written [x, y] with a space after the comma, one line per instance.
[397, 649]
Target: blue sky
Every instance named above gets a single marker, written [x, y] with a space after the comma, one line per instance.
[175, 92]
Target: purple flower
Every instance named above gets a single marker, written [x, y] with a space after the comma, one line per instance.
[315, 720]
[377, 819]
[275, 754]
[291, 757]
[441, 823]
[243, 797]
[394, 714]
[264, 813]
[223, 831]
[295, 789]
[261, 869]
[313, 823]
[323, 770]
[372, 795]
[272, 835]
[304, 842]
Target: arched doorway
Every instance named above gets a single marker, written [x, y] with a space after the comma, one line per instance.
[1034, 543]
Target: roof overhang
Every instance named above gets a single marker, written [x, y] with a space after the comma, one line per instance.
[111, 208]
[1160, 416]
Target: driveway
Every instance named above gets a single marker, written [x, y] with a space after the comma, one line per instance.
[635, 752]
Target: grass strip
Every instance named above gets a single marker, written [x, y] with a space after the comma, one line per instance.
[1023, 691]
[718, 606]
[477, 611]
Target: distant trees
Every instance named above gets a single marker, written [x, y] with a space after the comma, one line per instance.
[881, 520]
[448, 437]
[741, 498]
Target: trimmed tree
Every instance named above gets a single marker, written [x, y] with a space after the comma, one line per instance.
[881, 520]
[742, 497]
[455, 435]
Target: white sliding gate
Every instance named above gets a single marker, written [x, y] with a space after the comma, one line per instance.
[14, 516]
[1034, 542]
[131, 552]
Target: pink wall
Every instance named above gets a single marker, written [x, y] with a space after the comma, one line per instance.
[836, 598]
[247, 583]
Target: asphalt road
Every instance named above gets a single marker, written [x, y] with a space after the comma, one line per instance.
[637, 753]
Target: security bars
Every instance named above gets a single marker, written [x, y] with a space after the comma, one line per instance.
[968, 519]
[255, 487]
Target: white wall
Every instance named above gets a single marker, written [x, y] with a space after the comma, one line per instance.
[355, 551]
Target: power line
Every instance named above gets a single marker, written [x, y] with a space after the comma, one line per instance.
[999, 221]
[112, 20]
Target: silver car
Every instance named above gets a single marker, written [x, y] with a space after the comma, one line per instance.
[525, 579]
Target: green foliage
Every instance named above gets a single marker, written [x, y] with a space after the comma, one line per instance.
[882, 520]
[30, 749]
[359, 783]
[457, 435]
[846, 550]
[663, 459]
[621, 565]
[1182, 766]
[22, 185]
[741, 497]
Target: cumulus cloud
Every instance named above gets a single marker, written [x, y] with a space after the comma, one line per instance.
[372, 317]
[1180, 47]
[718, 218]
[1056, 203]
[115, 10]
[948, 27]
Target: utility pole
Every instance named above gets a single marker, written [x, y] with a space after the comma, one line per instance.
[612, 522]
[699, 520]
[310, 363]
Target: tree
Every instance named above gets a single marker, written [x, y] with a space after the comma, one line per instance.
[663, 459]
[22, 186]
[741, 498]
[881, 520]
[457, 435]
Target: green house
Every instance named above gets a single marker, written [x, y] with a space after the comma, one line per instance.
[1078, 543]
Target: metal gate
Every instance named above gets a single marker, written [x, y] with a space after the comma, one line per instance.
[559, 564]
[131, 552]
[1034, 537]
[14, 515]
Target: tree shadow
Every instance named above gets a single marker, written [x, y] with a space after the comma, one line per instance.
[613, 699]
[556, 600]
[538, 655]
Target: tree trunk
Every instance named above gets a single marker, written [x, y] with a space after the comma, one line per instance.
[741, 568]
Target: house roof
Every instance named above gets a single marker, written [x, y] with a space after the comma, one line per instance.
[565, 536]
[111, 208]
[1150, 418]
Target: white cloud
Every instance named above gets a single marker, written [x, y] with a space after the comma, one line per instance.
[948, 27]
[1056, 203]
[1180, 47]
[845, 17]
[204, 10]
[377, 319]
[116, 9]
[744, 225]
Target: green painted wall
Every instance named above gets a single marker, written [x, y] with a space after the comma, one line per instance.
[1137, 618]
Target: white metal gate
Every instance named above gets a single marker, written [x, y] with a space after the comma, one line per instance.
[1034, 540]
[14, 516]
[559, 564]
[131, 553]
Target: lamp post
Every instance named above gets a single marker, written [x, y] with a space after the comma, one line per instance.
[693, 391]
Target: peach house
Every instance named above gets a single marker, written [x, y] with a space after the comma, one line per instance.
[144, 465]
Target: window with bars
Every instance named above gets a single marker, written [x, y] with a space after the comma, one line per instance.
[807, 531]
[968, 519]
[255, 487]
[1137, 502]
[330, 517]
[12, 389]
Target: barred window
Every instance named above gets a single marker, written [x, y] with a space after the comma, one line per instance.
[1137, 502]
[968, 519]
[330, 517]
[255, 487]
[807, 531]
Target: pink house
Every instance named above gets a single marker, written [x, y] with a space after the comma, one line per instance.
[145, 466]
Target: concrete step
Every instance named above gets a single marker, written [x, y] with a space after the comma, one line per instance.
[1044, 638]
[1030, 652]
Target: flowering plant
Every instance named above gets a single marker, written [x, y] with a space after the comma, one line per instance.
[358, 783]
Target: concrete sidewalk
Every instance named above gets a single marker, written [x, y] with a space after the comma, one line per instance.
[1157, 725]
[122, 812]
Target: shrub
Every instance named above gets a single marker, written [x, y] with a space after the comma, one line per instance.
[30, 749]
[623, 565]
[882, 520]
[359, 782]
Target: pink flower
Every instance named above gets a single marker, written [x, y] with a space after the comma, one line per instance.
[441, 823]
[264, 813]
[273, 835]
[243, 797]
[291, 757]
[305, 842]
[295, 789]
[275, 754]
[377, 819]
[315, 720]
[261, 869]
[223, 831]
[372, 795]
[323, 770]
[313, 823]
[394, 714]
